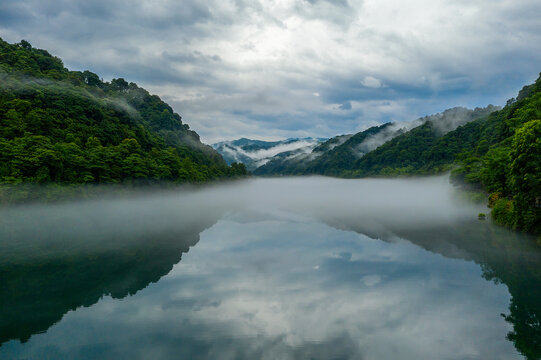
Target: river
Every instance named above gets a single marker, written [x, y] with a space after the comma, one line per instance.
[290, 268]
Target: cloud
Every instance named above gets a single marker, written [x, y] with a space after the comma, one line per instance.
[371, 82]
[279, 68]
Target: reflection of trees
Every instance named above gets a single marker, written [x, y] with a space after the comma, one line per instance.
[504, 256]
[525, 317]
[36, 292]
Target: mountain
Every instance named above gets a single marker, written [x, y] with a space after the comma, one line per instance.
[69, 127]
[428, 148]
[504, 159]
[342, 155]
[255, 153]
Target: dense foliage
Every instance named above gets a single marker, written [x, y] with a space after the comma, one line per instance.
[419, 151]
[67, 126]
[499, 153]
[507, 161]
[343, 156]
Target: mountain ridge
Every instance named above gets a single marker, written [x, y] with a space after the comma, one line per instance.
[339, 156]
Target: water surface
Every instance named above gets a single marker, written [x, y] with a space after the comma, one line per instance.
[308, 268]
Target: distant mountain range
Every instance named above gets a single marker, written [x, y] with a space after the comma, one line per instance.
[343, 155]
[256, 153]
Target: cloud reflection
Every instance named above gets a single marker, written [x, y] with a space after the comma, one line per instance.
[273, 280]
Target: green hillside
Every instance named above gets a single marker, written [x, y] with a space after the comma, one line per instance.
[331, 158]
[505, 161]
[494, 151]
[61, 126]
[343, 156]
[421, 150]
[388, 149]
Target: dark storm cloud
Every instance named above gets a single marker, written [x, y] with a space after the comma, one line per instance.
[285, 68]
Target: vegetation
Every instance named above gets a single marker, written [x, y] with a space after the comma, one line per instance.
[70, 127]
[343, 156]
[419, 151]
[333, 157]
[508, 167]
[499, 154]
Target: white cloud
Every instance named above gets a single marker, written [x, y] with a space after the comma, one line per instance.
[371, 82]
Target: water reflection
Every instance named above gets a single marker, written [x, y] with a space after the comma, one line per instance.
[58, 258]
[282, 273]
[505, 257]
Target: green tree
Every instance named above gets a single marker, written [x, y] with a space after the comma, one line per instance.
[526, 175]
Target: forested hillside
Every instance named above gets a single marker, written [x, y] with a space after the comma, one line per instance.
[330, 158]
[422, 150]
[388, 149]
[505, 161]
[499, 154]
[67, 126]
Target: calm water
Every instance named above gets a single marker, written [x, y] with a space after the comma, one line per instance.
[268, 269]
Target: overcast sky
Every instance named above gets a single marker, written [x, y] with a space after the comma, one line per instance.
[286, 68]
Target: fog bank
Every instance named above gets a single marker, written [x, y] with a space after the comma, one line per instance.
[372, 205]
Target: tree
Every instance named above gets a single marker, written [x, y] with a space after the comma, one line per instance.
[91, 79]
[526, 175]
[120, 84]
[25, 45]
[495, 171]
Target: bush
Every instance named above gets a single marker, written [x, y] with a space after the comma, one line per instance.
[503, 212]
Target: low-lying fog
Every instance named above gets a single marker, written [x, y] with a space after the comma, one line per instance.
[371, 206]
[369, 202]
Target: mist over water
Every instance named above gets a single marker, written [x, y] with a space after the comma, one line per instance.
[284, 268]
[407, 203]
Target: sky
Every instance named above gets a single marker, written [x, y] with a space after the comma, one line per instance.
[276, 69]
